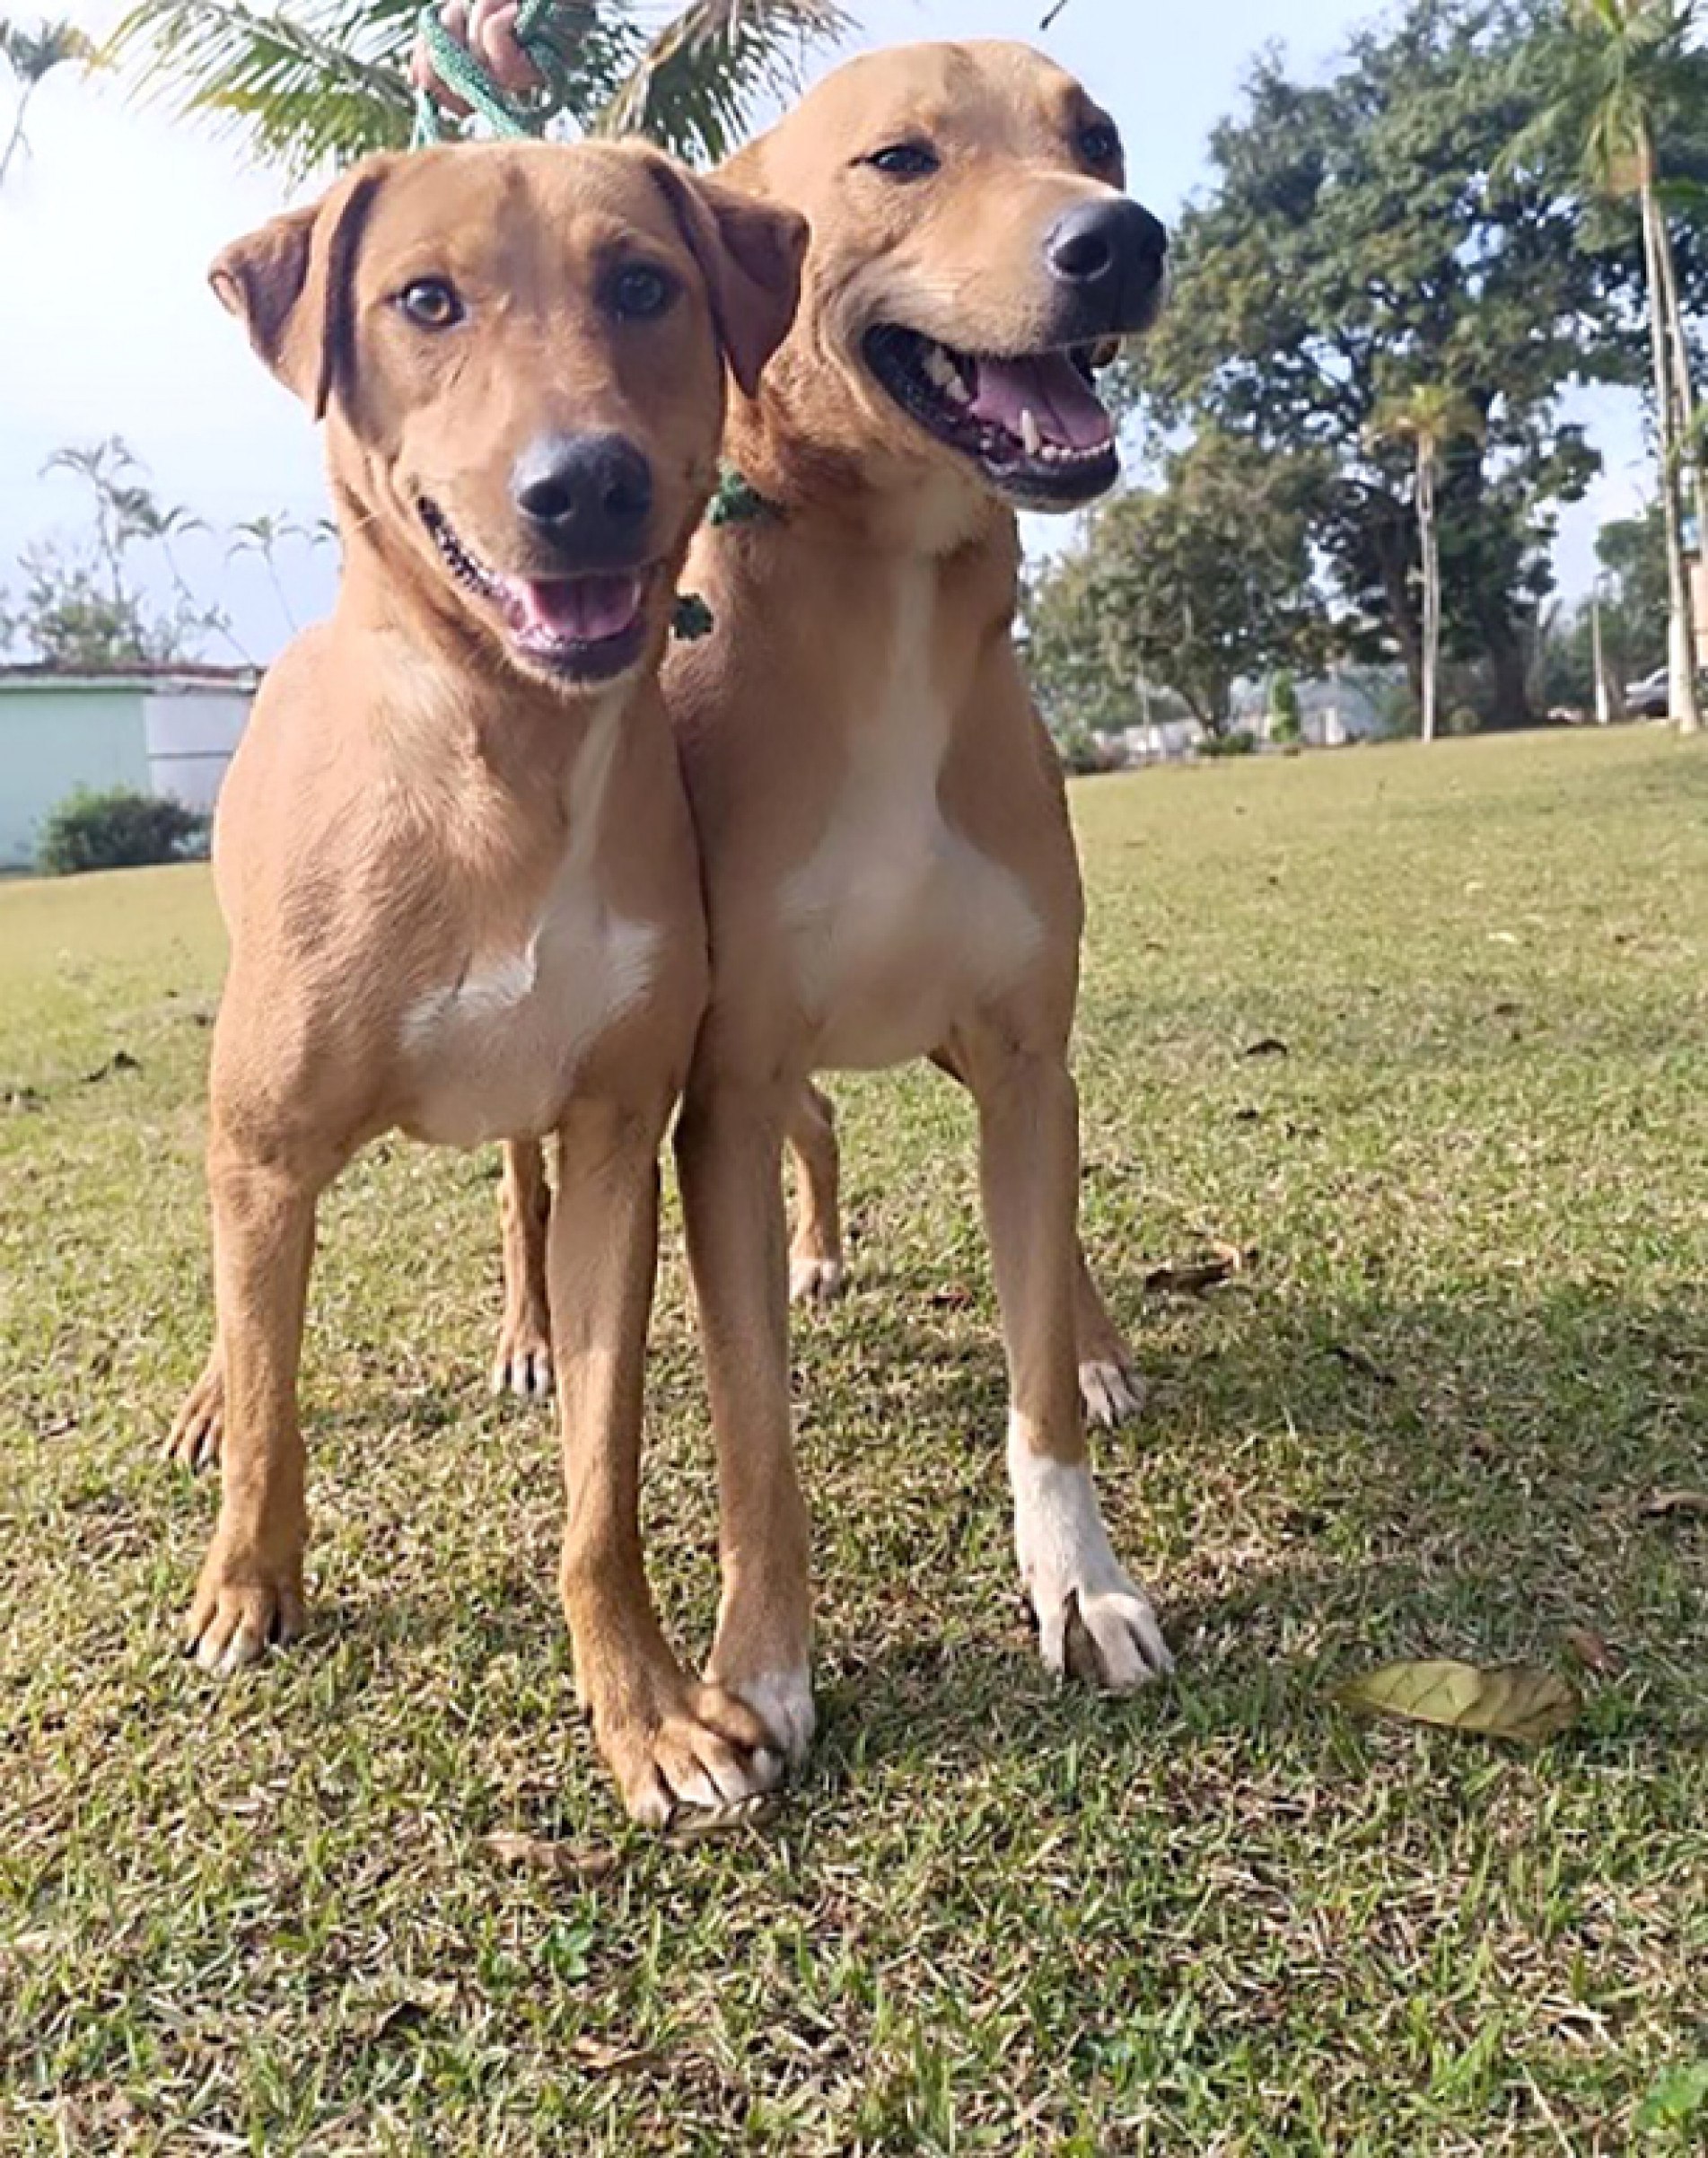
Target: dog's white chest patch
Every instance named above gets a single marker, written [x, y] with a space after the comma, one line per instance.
[897, 923]
[494, 1054]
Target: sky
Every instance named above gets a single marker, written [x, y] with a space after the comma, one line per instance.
[107, 325]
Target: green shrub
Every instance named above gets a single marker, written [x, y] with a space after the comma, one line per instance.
[116, 829]
[1241, 742]
[1463, 720]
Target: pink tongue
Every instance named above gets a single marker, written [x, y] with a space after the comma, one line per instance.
[585, 611]
[1066, 407]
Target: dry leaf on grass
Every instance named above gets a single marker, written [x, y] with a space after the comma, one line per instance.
[1366, 1366]
[1217, 1266]
[1677, 1506]
[562, 1861]
[1592, 1651]
[606, 2056]
[1512, 1701]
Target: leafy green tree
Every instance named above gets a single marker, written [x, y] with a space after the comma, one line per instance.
[32, 56]
[1193, 584]
[1358, 239]
[85, 604]
[1624, 82]
[326, 79]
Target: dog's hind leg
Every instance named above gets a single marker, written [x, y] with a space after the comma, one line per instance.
[1109, 1382]
[523, 1364]
[817, 1267]
[198, 1429]
[674, 1745]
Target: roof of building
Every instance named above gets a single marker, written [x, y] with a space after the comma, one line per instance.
[182, 675]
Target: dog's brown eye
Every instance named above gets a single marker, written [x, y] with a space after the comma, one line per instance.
[1100, 144]
[431, 302]
[639, 294]
[906, 161]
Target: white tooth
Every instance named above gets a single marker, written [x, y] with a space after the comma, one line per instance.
[1031, 435]
[955, 387]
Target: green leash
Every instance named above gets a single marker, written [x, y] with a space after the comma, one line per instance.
[549, 45]
[547, 31]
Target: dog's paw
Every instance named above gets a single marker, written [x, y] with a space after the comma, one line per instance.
[1094, 1622]
[1108, 1638]
[198, 1429]
[701, 1756]
[814, 1280]
[782, 1702]
[240, 1611]
[522, 1365]
[1112, 1391]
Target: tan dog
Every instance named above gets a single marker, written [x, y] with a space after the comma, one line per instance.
[454, 853]
[889, 868]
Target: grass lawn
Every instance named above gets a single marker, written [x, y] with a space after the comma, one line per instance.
[1226, 1918]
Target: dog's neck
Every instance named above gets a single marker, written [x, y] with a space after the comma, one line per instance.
[882, 498]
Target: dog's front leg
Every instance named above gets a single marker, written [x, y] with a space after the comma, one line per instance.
[1094, 1622]
[671, 1742]
[523, 1364]
[729, 1154]
[249, 1596]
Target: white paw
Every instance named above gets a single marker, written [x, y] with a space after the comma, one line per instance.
[1094, 1622]
[782, 1702]
[818, 1281]
[1113, 1393]
[522, 1368]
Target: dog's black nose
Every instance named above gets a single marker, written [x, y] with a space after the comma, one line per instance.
[1112, 255]
[590, 493]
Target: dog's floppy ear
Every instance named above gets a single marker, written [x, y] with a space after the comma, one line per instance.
[291, 284]
[751, 252]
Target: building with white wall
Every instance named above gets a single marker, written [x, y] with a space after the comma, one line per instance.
[162, 730]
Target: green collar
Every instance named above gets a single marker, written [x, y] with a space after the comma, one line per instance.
[736, 502]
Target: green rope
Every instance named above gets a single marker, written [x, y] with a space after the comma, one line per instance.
[736, 502]
[739, 502]
[550, 47]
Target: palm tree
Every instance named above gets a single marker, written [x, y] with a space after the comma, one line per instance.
[32, 56]
[1622, 73]
[1431, 417]
[324, 80]
[264, 534]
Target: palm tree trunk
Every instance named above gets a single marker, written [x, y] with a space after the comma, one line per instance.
[1429, 541]
[1681, 639]
[1693, 480]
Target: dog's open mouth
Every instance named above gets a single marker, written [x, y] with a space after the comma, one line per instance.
[1034, 423]
[588, 627]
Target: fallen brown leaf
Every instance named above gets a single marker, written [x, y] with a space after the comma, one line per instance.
[1213, 1270]
[562, 1861]
[1513, 1701]
[1673, 1505]
[1355, 1360]
[1592, 1651]
[603, 2056]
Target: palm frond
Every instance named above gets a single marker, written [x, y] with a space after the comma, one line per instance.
[324, 82]
[32, 55]
[694, 86]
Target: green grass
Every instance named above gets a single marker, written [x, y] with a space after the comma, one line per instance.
[1223, 1919]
